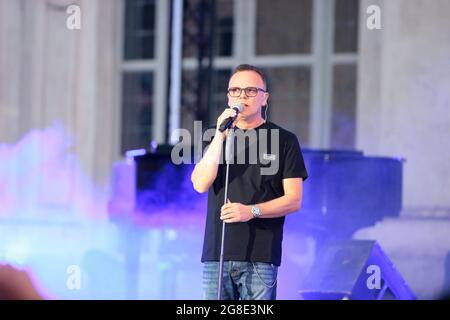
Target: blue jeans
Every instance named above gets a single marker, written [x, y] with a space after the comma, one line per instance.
[242, 280]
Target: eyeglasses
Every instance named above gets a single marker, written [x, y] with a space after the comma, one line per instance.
[249, 91]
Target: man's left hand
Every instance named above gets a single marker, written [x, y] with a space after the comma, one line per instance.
[235, 212]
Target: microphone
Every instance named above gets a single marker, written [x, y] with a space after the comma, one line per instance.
[226, 124]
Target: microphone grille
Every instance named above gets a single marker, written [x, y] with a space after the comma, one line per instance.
[238, 107]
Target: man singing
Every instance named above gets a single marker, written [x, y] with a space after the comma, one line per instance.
[265, 184]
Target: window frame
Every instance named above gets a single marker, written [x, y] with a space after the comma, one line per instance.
[157, 66]
[321, 62]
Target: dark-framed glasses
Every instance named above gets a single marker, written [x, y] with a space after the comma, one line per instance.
[249, 91]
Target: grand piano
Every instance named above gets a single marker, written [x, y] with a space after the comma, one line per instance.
[348, 190]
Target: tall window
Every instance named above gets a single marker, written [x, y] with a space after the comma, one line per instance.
[344, 75]
[137, 86]
[144, 72]
[312, 67]
[223, 46]
[284, 52]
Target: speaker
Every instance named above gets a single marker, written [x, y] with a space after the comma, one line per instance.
[354, 270]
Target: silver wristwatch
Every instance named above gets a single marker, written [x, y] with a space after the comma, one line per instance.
[256, 212]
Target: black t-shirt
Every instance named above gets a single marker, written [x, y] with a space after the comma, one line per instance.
[267, 155]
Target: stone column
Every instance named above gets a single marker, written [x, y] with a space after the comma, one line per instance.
[50, 74]
[404, 96]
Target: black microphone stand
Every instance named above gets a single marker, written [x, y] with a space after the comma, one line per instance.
[229, 148]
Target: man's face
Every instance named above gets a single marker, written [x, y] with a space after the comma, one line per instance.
[252, 105]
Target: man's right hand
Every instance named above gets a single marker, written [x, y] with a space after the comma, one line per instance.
[227, 113]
